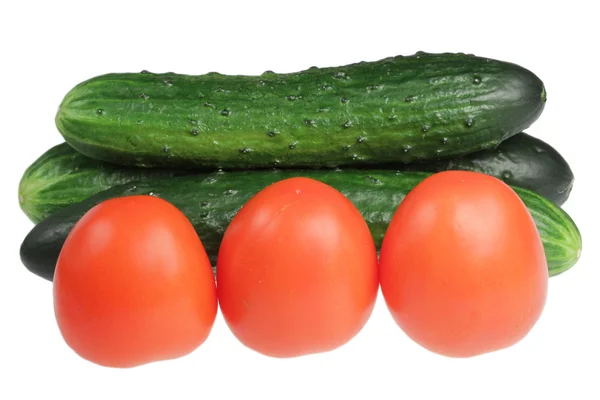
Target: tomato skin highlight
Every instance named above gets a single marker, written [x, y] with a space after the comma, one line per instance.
[297, 270]
[133, 284]
[462, 267]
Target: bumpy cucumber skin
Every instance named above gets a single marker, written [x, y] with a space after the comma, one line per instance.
[210, 201]
[522, 160]
[398, 109]
[559, 233]
[62, 176]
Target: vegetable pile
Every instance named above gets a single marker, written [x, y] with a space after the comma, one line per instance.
[287, 200]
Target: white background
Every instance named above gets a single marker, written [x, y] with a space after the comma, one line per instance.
[48, 47]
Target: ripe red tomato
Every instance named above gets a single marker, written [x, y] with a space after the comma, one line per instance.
[133, 284]
[297, 270]
[462, 266]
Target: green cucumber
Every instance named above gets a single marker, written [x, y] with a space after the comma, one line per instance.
[398, 109]
[62, 176]
[522, 160]
[210, 201]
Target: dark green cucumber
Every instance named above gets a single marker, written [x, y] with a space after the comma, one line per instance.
[211, 201]
[522, 160]
[398, 109]
[62, 176]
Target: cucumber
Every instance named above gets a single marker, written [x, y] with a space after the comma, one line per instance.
[210, 201]
[398, 109]
[522, 160]
[62, 176]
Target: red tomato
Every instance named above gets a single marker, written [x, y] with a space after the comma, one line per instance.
[133, 284]
[462, 266]
[297, 270]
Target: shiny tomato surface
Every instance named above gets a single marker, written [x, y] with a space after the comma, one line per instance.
[133, 284]
[462, 266]
[297, 270]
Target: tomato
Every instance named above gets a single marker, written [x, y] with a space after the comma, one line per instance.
[462, 266]
[297, 270]
[133, 284]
